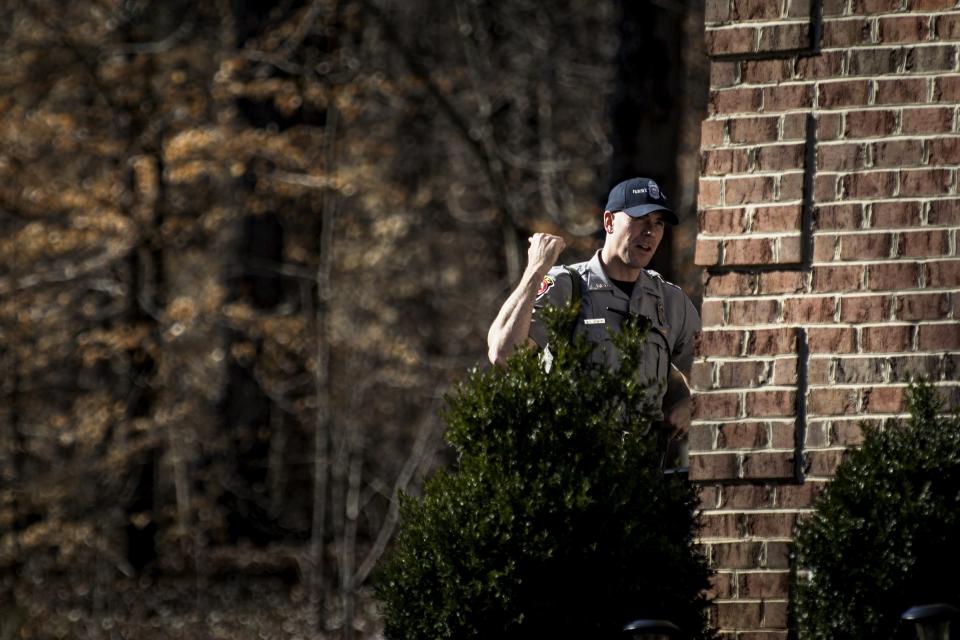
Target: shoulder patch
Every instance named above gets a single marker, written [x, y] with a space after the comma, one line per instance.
[656, 276]
[545, 285]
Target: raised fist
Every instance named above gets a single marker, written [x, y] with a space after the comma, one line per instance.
[544, 251]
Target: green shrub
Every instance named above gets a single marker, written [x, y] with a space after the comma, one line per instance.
[557, 521]
[885, 535]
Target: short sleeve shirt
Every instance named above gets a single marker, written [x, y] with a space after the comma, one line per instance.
[673, 318]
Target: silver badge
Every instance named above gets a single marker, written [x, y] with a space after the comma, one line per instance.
[654, 190]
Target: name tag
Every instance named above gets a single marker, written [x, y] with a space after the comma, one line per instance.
[595, 321]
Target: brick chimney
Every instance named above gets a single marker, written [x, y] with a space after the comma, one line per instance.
[828, 219]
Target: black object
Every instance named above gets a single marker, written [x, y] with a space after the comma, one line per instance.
[932, 620]
[651, 630]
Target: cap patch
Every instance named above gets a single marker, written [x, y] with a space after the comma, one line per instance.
[545, 285]
[654, 190]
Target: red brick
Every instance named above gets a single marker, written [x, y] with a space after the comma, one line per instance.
[737, 615]
[765, 71]
[925, 243]
[898, 153]
[847, 433]
[717, 11]
[875, 184]
[909, 366]
[742, 435]
[863, 246]
[723, 74]
[719, 343]
[842, 33]
[886, 338]
[945, 273]
[829, 126]
[840, 278]
[739, 374]
[707, 252]
[893, 276]
[737, 555]
[901, 91]
[777, 218]
[783, 37]
[816, 435]
[768, 465]
[709, 193]
[924, 306]
[762, 404]
[875, 62]
[829, 64]
[824, 463]
[939, 58]
[766, 584]
[875, 6]
[753, 312]
[884, 400]
[748, 190]
[938, 337]
[845, 93]
[791, 186]
[780, 157]
[724, 161]
[729, 284]
[825, 247]
[709, 495]
[859, 370]
[945, 212]
[713, 406]
[772, 341]
[712, 132]
[809, 310]
[747, 252]
[925, 182]
[771, 525]
[947, 89]
[840, 157]
[819, 372]
[752, 130]
[778, 555]
[825, 187]
[798, 496]
[834, 7]
[904, 29]
[735, 101]
[787, 96]
[784, 433]
[927, 120]
[742, 10]
[719, 525]
[747, 497]
[930, 5]
[896, 215]
[711, 313]
[860, 309]
[838, 216]
[723, 221]
[947, 27]
[944, 150]
[831, 401]
[713, 466]
[781, 282]
[701, 377]
[830, 340]
[722, 586]
[731, 40]
[870, 124]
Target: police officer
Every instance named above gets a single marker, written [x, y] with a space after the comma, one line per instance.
[615, 284]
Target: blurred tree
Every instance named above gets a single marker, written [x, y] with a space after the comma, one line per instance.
[245, 247]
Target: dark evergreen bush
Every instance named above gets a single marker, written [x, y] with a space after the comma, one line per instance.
[885, 535]
[558, 520]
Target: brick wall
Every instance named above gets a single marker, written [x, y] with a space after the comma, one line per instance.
[828, 218]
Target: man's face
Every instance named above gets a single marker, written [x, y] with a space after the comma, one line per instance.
[633, 241]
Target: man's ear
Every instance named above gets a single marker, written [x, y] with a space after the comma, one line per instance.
[608, 221]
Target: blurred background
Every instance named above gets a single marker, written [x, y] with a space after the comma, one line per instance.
[246, 246]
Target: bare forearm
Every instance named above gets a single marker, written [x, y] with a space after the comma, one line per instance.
[512, 325]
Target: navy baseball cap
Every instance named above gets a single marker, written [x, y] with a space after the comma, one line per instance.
[637, 197]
